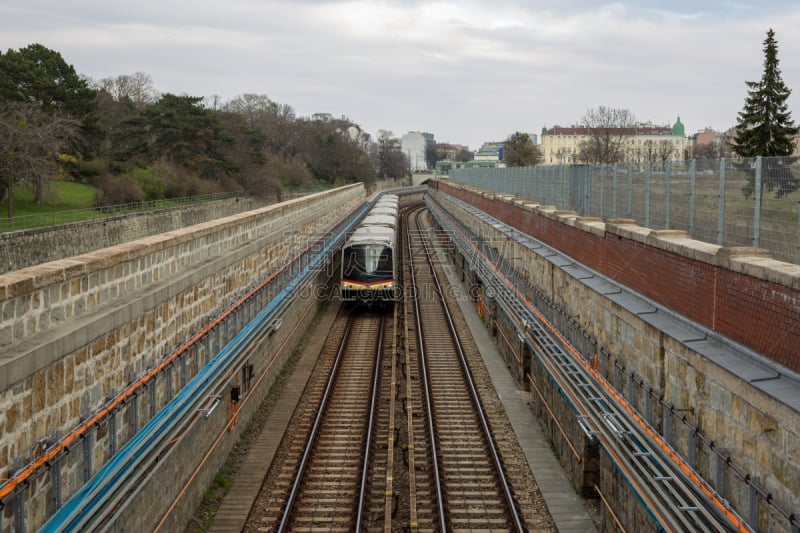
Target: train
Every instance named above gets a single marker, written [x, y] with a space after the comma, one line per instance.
[369, 258]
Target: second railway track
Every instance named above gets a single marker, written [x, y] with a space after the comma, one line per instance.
[430, 456]
[467, 485]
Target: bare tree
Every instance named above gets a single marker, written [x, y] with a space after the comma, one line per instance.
[653, 151]
[391, 162]
[31, 142]
[705, 151]
[137, 88]
[606, 128]
[251, 106]
[565, 155]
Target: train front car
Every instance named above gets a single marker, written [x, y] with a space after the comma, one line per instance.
[368, 265]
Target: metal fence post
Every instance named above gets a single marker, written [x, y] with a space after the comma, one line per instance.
[667, 191]
[588, 180]
[757, 202]
[721, 204]
[614, 179]
[647, 195]
[630, 189]
[797, 259]
[602, 212]
[692, 192]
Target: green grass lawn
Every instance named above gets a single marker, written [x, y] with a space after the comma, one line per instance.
[60, 196]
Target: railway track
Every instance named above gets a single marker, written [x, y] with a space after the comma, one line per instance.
[402, 442]
[464, 485]
[321, 477]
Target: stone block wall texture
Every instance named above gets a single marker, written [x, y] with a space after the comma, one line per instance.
[158, 491]
[24, 248]
[75, 332]
[759, 432]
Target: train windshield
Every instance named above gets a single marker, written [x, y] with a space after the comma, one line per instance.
[368, 262]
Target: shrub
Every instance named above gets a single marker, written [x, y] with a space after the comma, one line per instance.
[120, 189]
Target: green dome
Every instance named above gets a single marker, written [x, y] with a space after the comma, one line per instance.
[678, 128]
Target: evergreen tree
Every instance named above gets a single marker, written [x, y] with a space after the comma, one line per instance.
[37, 75]
[765, 126]
[519, 151]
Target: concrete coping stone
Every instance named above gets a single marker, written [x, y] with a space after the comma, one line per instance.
[563, 216]
[156, 243]
[627, 228]
[108, 257]
[593, 225]
[15, 284]
[760, 265]
[546, 210]
[663, 238]
[71, 266]
[687, 247]
[47, 274]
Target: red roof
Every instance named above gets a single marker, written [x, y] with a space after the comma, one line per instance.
[637, 130]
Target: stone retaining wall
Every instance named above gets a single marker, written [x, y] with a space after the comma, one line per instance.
[24, 248]
[75, 332]
[758, 427]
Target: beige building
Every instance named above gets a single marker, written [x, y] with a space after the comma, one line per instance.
[640, 143]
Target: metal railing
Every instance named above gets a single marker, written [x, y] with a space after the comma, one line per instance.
[730, 202]
[90, 213]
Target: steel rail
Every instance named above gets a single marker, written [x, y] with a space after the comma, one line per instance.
[370, 425]
[426, 386]
[500, 470]
[311, 441]
[315, 428]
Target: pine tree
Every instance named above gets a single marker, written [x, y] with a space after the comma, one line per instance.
[765, 126]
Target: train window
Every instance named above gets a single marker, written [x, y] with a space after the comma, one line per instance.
[368, 262]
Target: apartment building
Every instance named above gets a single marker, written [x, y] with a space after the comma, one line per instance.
[640, 143]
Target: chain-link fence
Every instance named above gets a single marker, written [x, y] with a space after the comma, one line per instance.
[730, 202]
[55, 218]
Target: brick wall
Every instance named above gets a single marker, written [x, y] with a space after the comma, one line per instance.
[739, 292]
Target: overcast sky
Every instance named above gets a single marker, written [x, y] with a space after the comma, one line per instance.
[467, 71]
